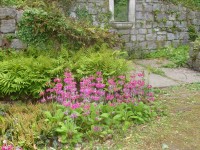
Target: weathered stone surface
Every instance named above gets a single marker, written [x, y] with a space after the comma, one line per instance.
[0, 41]
[19, 15]
[150, 37]
[7, 13]
[170, 36]
[17, 44]
[8, 26]
[140, 37]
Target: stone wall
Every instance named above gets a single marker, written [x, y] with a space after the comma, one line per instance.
[156, 24]
[8, 27]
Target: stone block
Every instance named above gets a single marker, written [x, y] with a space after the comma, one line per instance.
[151, 45]
[140, 15]
[140, 37]
[156, 6]
[150, 37]
[17, 44]
[175, 43]
[169, 24]
[148, 7]
[149, 16]
[7, 13]
[142, 31]
[19, 15]
[168, 43]
[143, 45]
[133, 38]
[0, 42]
[172, 17]
[8, 26]
[161, 38]
[149, 25]
[170, 36]
[126, 38]
[139, 7]
[124, 32]
[129, 46]
[183, 35]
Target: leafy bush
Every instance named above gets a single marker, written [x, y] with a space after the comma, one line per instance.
[89, 61]
[38, 26]
[25, 74]
[179, 56]
[25, 77]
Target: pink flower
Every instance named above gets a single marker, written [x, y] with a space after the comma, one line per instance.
[57, 80]
[96, 129]
[42, 93]
[140, 74]
[99, 73]
[43, 100]
[109, 97]
[75, 106]
[149, 86]
[73, 116]
[121, 77]
[100, 85]
[95, 98]
[7, 147]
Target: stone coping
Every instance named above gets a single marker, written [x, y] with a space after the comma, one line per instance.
[122, 25]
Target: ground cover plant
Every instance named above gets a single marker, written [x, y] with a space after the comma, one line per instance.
[179, 56]
[94, 110]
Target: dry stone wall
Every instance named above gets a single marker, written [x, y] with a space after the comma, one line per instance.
[157, 23]
[8, 27]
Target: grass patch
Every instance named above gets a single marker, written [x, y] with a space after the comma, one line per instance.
[155, 70]
[178, 56]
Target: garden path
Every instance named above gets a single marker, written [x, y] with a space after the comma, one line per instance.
[158, 76]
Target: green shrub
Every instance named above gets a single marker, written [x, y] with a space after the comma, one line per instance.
[24, 77]
[109, 62]
[25, 74]
[39, 26]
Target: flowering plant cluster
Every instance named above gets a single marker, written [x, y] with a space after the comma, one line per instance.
[7, 146]
[95, 107]
[95, 89]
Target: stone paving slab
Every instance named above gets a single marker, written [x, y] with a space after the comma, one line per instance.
[172, 77]
[160, 81]
[184, 75]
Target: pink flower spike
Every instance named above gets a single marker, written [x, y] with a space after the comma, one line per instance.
[42, 93]
[99, 73]
[140, 74]
[149, 86]
[57, 80]
[121, 77]
[43, 100]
